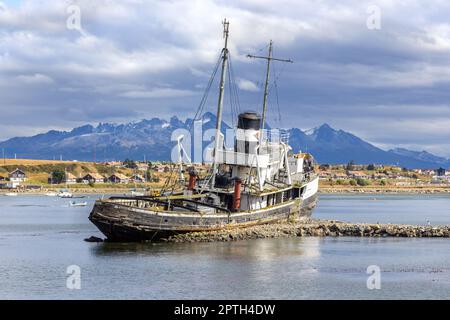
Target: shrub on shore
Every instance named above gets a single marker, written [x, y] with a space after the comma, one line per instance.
[362, 182]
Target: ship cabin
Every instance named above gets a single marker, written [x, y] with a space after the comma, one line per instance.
[255, 175]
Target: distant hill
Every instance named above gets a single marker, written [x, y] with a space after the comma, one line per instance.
[337, 146]
[421, 155]
[152, 138]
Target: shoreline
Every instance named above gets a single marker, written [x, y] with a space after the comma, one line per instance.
[314, 228]
[75, 191]
[410, 190]
[322, 190]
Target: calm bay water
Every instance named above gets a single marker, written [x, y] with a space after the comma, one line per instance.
[41, 236]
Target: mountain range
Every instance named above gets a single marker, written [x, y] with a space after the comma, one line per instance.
[152, 139]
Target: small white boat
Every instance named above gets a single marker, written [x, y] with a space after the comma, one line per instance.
[77, 204]
[64, 193]
[137, 193]
[11, 194]
[51, 194]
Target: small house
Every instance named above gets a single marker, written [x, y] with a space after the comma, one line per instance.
[324, 175]
[161, 168]
[118, 178]
[358, 175]
[16, 177]
[340, 175]
[142, 166]
[93, 178]
[137, 178]
[440, 179]
[429, 172]
[70, 178]
[57, 178]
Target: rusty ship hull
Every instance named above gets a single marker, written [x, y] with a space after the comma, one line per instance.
[123, 219]
[255, 180]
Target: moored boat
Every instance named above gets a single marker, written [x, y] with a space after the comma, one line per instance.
[258, 180]
[136, 193]
[77, 204]
[64, 193]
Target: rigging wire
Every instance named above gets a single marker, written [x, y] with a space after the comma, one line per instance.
[171, 183]
[198, 113]
[236, 89]
[234, 96]
[276, 78]
[232, 107]
[275, 84]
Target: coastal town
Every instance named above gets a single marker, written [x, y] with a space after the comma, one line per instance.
[40, 175]
[381, 176]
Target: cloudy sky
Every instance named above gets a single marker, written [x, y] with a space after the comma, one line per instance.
[386, 80]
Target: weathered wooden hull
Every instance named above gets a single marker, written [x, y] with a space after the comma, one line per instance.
[122, 222]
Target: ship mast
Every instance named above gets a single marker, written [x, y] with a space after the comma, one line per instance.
[269, 58]
[226, 25]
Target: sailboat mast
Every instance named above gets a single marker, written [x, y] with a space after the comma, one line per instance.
[269, 59]
[266, 88]
[226, 25]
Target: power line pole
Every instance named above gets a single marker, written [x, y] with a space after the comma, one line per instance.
[269, 58]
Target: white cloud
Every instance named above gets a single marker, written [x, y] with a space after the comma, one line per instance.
[247, 85]
[36, 78]
[135, 52]
[157, 93]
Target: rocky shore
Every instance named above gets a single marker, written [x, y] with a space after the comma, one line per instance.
[315, 228]
[399, 190]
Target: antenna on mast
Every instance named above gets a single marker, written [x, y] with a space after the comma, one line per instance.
[269, 58]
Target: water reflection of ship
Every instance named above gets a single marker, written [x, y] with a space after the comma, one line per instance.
[264, 250]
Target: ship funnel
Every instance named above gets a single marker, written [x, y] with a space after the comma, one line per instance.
[249, 120]
[248, 131]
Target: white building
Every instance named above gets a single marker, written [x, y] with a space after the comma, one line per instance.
[16, 178]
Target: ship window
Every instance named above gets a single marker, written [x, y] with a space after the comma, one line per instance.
[279, 197]
[289, 194]
[302, 191]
